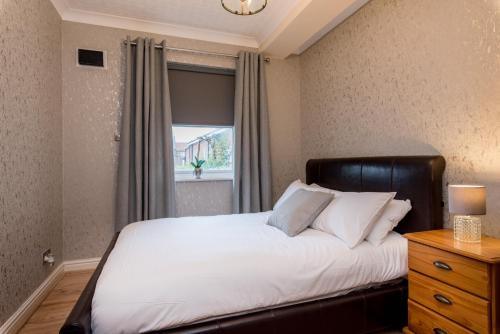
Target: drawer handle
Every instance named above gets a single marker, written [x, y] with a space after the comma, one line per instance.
[439, 331]
[442, 299]
[442, 265]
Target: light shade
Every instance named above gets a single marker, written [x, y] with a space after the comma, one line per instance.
[467, 199]
[244, 7]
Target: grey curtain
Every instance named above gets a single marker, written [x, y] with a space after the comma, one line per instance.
[252, 163]
[146, 184]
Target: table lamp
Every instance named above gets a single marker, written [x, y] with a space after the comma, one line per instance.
[467, 202]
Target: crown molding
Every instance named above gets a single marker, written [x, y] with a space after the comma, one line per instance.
[127, 23]
[294, 31]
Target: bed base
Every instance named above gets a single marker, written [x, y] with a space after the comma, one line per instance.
[367, 311]
[360, 312]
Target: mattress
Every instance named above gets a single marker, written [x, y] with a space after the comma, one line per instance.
[171, 272]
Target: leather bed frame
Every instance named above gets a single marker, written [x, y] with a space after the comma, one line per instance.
[418, 178]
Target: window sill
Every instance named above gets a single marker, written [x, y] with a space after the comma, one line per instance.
[206, 177]
[204, 180]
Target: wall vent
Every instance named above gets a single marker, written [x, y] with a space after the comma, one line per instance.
[91, 58]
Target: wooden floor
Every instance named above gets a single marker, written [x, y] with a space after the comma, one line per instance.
[51, 314]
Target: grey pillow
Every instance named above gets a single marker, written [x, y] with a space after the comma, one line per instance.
[299, 210]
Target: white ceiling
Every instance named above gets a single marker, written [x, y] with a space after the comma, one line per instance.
[203, 14]
[206, 15]
[207, 20]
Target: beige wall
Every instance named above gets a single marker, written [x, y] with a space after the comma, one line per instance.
[92, 100]
[283, 86]
[91, 111]
[410, 77]
[30, 147]
[204, 198]
[398, 77]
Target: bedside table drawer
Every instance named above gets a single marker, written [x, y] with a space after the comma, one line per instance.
[466, 309]
[422, 321]
[467, 274]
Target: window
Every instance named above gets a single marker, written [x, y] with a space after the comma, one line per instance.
[202, 100]
[212, 144]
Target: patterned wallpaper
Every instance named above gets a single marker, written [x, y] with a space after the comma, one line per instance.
[283, 86]
[196, 198]
[410, 77]
[92, 100]
[91, 111]
[398, 77]
[30, 147]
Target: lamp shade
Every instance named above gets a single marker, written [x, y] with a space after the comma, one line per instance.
[467, 199]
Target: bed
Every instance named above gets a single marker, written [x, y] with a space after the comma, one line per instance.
[342, 299]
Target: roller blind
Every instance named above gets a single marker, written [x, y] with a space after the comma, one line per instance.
[201, 95]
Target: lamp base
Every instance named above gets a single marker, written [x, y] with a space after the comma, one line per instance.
[467, 228]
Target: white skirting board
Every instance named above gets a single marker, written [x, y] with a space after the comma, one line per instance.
[24, 312]
[79, 265]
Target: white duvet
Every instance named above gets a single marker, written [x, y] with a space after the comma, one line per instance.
[170, 272]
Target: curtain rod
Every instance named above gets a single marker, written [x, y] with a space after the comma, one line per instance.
[159, 46]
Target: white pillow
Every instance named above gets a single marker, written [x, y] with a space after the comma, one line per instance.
[394, 212]
[320, 188]
[296, 185]
[350, 216]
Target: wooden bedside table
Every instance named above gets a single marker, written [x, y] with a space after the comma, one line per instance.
[454, 287]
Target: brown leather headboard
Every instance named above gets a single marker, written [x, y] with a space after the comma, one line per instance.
[418, 178]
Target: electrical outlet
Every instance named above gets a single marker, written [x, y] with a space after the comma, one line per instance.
[48, 257]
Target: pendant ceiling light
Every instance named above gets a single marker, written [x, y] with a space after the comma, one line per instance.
[244, 7]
